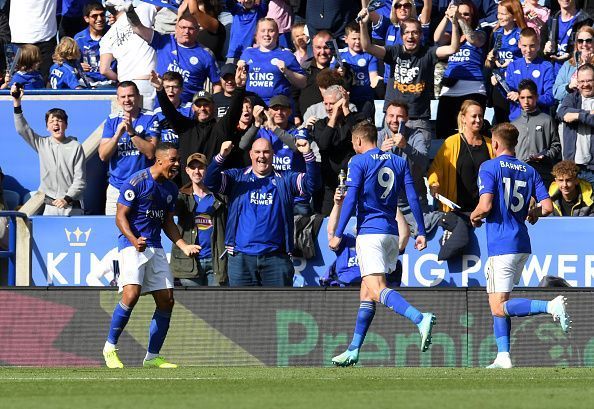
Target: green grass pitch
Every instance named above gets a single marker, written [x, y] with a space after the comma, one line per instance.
[310, 388]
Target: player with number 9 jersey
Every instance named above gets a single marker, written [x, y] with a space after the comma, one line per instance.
[379, 177]
[512, 183]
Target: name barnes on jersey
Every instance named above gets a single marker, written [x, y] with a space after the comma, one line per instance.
[513, 166]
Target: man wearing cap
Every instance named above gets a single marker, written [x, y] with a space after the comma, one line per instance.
[201, 219]
[273, 125]
[202, 133]
[259, 234]
[180, 52]
[222, 99]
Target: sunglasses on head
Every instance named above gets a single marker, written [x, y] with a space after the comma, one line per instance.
[405, 6]
[584, 40]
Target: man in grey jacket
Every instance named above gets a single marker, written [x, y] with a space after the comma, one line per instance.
[538, 142]
[411, 144]
[61, 160]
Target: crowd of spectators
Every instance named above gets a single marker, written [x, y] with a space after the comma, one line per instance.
[260, 83]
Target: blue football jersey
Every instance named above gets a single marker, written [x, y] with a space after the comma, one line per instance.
[195, 64]
[512, 183]
[264, 77]
[203, 217]
[150, 202]
[361, 64]
[508, 45]
[379, 177]
[63, 76]
[128, 159]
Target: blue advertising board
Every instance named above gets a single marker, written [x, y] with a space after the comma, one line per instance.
[70, 251]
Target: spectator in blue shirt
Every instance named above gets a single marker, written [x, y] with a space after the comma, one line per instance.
[533, 67]
[88, 42]
[63, 74]
[181, 52]
[246, 14]
[259, 235]
[129, 141]
[27, 73]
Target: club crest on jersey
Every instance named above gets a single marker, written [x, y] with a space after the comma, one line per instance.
[129, 195]
[193, 60]
[139, 128]
[169, 199]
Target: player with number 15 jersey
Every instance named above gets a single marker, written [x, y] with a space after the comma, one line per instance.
[513, 183]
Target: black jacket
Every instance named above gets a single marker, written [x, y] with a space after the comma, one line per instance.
[203, 137]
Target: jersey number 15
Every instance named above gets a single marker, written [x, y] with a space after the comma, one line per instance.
[516, 194]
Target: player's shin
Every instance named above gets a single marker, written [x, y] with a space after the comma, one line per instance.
[119, 319]
[157, 332]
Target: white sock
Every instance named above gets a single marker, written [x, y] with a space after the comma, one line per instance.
[150, 356]
[108, 346]
[502, 355]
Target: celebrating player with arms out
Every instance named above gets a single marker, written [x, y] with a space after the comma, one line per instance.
[147, 204]
[506, 186]
[374, 181]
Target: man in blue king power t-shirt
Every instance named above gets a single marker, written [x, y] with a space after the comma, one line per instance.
[374, 181]
[506, 186]
[145, 206]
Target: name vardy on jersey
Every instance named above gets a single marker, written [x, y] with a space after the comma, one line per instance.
[513, 166]
[377, 156]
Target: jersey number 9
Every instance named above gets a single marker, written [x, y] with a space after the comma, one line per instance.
[386, 183]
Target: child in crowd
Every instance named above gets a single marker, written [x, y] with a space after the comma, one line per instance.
[63, 74]
[533, 67]
[364, 67]
[246, 14]
[300, 40]
[27, 66]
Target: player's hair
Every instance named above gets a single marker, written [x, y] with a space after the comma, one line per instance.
[586, 67]
[515, 9]
[529, 32]
[566, 168]
[58, 113]
[186, 15]
[463, 109]
[126, 84]
[328, 77]
[164, 146]
[528, 84]
[352, 27]
[366, 130]
[413, 11]
[398, 104]
[66, 50]
[30, 58]
[174, 76]
[95, 5]
[507, 134]
[410, 20]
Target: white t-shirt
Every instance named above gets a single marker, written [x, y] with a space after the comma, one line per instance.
[582, 144]
[32, 21]
[136, 59]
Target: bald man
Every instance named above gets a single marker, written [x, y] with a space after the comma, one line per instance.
[259, 234]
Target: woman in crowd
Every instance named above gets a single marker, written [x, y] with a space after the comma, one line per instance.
[454, 171]
[566, 80]
[504, 49]
[272, 70]
[463, 78]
